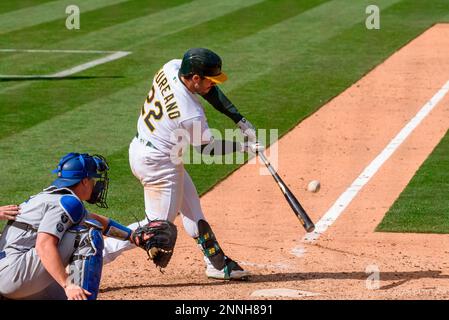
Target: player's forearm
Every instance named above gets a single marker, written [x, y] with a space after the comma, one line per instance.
[102, 219]
[47, 250]
[219, 101]
[112, 228]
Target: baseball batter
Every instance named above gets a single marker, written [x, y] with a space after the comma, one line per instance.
[54, 230]
[172, 116]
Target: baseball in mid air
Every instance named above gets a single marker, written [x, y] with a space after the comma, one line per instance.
[313, 186]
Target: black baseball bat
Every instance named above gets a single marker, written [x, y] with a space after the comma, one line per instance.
[291, 199]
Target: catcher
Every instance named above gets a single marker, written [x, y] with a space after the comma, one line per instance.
[53, 250]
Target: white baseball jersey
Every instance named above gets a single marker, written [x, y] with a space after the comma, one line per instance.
[169, 107]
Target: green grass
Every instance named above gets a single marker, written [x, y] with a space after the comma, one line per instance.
[284, 58]
[6, 6]
[424, 205]
[46, 11]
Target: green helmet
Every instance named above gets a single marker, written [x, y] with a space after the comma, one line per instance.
[204, 63]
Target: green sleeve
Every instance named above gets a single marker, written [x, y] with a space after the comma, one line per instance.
[219, 101]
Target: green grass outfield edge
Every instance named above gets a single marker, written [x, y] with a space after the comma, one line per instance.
[423, 206]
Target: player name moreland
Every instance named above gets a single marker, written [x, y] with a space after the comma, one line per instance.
[169, 98]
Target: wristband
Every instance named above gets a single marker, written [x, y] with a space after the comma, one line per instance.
[116, 230]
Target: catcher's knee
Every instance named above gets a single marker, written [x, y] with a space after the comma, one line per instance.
[87, 261]
[209, 245]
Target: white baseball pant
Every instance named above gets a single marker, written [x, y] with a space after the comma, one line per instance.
[168, 190]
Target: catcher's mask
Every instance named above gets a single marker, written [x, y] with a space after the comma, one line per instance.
[74, 167]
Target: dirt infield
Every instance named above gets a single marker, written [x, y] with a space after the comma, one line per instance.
[256, 227]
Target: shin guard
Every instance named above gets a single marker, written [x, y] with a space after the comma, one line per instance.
[210, 246]
[87, 262]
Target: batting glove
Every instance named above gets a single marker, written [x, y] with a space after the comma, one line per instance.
[248, 130]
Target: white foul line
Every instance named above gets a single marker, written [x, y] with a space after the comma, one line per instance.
[55, 51]
[346, 197]
[113, 56]
[90, 64]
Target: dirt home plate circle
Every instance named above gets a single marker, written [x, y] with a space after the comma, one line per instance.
[314, 186]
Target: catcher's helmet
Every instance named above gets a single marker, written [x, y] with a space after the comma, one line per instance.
[74, 167]
[204, 63]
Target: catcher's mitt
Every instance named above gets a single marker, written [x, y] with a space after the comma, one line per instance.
[157, 238]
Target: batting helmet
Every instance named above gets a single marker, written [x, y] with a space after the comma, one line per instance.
[74, 167]
[204, 63]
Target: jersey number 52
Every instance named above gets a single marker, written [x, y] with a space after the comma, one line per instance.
[155, 112]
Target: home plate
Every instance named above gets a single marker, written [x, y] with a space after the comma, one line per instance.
[282, 292]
